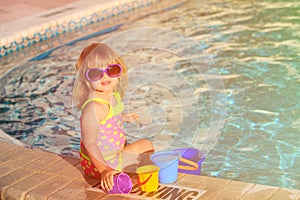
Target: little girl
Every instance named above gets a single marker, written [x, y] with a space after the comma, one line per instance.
[101, 82]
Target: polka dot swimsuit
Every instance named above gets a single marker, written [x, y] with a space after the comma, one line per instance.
[110, 137]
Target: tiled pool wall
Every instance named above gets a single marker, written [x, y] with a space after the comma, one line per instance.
[68, 23]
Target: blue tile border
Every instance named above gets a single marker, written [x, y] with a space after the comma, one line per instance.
[69, 23]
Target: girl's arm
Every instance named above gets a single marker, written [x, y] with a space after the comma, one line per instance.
[92, 114]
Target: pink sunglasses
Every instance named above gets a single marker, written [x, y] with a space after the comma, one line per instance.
[95, 74]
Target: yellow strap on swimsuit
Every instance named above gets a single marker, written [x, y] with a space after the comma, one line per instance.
[113, 110]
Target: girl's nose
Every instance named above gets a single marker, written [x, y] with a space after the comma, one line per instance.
[104, 75]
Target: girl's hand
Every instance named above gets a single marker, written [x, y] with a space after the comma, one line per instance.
[130, 117]
[107, 178]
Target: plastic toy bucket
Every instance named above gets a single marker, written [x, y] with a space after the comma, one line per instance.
[191, 160]
[148, 177]
[167, 161]
[122, 184]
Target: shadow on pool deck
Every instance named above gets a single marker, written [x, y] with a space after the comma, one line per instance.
[35, 174]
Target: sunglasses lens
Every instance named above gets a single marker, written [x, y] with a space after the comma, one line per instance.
[113, 70]
[94, 74]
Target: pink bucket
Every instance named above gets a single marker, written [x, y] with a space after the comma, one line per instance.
[122, 184]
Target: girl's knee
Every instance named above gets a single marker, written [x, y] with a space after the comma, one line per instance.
[140, 146]
[147, 144]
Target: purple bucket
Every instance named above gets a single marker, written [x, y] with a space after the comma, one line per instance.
[122, 184]
[191, 160]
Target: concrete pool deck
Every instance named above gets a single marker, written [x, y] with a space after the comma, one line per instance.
[35, 174]
[25, 23]
[18, 16]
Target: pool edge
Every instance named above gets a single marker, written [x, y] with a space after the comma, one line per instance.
[57, 21]
[34, 174]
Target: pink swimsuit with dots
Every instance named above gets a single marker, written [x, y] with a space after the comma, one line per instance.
[110, 139]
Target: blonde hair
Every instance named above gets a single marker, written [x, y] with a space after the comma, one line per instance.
[96, 55]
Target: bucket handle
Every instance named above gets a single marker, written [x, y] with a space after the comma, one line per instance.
[143, 183]
[193, 165]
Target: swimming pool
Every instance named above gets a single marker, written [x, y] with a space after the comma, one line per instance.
[249, 118]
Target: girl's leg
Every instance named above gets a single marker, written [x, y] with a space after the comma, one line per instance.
[140, 146]
[137, 154]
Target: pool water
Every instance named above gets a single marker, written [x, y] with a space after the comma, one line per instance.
[221, 76]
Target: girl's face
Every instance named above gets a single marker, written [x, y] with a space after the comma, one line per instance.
[104, 80]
